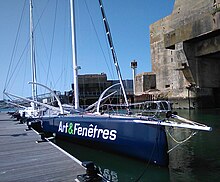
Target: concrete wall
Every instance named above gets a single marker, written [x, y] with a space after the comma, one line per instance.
[185, 51]
[144, 82]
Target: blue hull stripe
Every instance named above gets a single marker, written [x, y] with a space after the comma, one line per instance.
[122, 135]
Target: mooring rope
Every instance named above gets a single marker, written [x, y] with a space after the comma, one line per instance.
[179, 142]
[151, 155]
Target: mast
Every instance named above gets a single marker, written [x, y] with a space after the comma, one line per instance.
[108, 33]
[74, 56]
[33, 62]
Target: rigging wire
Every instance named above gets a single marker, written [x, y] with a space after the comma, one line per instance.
[16, 66]
[8, 79]
[15, 47]
[38, 24]
[51, 49]
[100, 45]
[42, 67]
[114, 56]
[66, 62]
[48, 57]
[25, 70]
[38, 21]
[63, 75]
[17, 70]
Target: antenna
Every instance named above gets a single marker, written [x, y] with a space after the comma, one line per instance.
[134, 67]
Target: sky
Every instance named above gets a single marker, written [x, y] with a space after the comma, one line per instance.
[129, 22]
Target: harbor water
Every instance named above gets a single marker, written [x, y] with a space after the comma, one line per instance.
[197, 159]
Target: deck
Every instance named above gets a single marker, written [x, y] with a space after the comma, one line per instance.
[22, 159]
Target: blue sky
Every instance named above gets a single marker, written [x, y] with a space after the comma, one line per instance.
[129, 22]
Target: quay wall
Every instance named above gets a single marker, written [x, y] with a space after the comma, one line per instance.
[185, 52]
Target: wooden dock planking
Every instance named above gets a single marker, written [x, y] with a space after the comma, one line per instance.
[22, 159]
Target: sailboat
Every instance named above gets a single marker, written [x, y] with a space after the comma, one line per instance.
[32, 110]
[139, 135]
[36, 108]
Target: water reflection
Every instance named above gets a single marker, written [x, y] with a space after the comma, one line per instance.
[197, 159]
[181, 157]
[115, 167]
